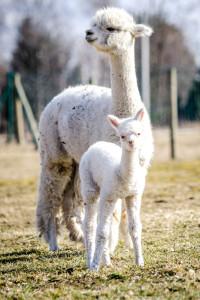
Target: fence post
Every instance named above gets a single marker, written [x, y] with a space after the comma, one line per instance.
[20, 122]
[173, 110]
[27, 108]
[145, 61]
[10, 107]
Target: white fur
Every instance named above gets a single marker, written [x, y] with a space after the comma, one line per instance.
[112, 173]
[75, 119]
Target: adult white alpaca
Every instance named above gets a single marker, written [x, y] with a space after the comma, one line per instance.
[75, 119]
[112, 172]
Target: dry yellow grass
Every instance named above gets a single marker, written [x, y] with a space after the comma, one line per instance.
[18, 162]
[171, 232]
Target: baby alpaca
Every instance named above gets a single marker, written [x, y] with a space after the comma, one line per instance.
[111, 172]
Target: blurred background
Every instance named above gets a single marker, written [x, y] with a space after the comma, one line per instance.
[42, 51]
[44, 42]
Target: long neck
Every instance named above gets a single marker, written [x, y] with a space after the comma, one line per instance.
[129, 163]
[125, 92]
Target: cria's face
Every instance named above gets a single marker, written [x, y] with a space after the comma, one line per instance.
[130, 135]
[110, 33]
[129, 130]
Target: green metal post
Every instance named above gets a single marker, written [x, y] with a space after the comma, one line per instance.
[3, 99]
[11, 107]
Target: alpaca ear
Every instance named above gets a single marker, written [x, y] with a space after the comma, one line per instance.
[142, 30]
[140, 114]
[114, 121]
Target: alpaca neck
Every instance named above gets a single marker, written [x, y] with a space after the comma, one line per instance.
[125, 92]
[129, 164]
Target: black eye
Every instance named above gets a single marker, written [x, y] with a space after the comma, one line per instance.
[122, 137]
[111, 29]
[138, 133]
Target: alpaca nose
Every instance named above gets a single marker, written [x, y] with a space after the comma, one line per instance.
[130, 143]
[89, 32]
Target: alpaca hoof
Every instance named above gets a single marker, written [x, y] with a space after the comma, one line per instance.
[107, 265]
[76, 236]
[75, 230]
[94, 267]
[140, 262]
[128, 242]
[54, 248]
[106, 262]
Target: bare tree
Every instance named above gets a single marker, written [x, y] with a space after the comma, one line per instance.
[168, 49]
[41, 61]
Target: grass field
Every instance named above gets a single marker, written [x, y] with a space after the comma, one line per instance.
[171, 237]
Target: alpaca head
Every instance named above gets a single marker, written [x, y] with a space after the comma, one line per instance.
[129, 130]
[114, 30]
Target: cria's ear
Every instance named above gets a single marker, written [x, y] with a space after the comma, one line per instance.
[142, 30]
[114, 121]
[140, 114]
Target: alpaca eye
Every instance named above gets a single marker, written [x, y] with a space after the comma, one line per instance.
[138, 133]
[122, 137]
[111, 29]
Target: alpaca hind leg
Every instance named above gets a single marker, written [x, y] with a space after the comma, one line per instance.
[78, 209]
[56, 171]
[47, 224]
[70, 209]
[124, 231]
[54, 177]
[47, 208]
[53, 228]
[115, 226]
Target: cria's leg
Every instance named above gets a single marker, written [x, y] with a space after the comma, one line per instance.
[115, 226]
[89, 226]
[124, 228]
[103, 229]
[89, 194]
[105, 261]
[133, 205]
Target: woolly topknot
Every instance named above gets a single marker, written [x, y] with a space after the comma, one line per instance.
[114, 17]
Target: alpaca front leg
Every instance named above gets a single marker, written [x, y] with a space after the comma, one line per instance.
[105, 261]
[103, 231]
[133, 205]
[89, 228]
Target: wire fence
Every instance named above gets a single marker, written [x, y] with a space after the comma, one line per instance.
[40, 89]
